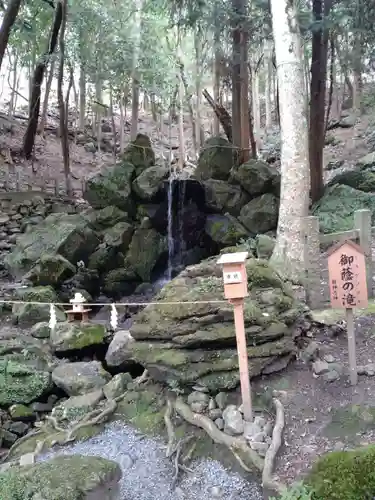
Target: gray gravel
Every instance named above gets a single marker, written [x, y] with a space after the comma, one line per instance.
[148, 474]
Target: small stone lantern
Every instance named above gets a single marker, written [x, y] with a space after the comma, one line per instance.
[78, 308]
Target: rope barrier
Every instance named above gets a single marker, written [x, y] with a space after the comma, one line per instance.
[116, 304]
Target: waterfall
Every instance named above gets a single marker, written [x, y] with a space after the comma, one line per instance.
[171, 246]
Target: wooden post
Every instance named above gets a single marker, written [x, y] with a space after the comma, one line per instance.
[312, 262]
[235, 290]
[362, 222]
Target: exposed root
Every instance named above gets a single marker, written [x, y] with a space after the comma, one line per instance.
[177, 465]
[170, 430]
[19, 442]
[143, 378]
[245, 456]
[205, 423]
[267, 480]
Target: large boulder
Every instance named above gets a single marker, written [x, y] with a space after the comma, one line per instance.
[260, 214]
[29, 311]
[337, 206]
[71, 477]
[140, 153]
[187, 344]
[145, 250]
[68, 235]
[256, 177]
[111, 186]
[220, 196]
[73, 336]
[24, 370]
[107, 217]
[50, 269]
[216, 159]
[225, 230]
[150, 181]
[119, 236]
[80, 377]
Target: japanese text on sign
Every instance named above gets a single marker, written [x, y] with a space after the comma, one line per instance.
[347, 276]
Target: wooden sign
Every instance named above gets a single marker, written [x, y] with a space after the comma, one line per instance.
[347, 276]
[348, 289]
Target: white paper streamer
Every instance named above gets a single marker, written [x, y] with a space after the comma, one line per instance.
[114, 317]
[52, 317]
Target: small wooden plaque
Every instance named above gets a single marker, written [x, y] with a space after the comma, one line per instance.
[347, 276]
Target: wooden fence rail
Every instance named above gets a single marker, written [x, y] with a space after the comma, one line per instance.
[316, 271]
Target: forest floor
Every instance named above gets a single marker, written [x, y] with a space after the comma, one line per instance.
[323, 415]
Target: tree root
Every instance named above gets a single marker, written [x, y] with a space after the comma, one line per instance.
[170, 429]
[178, 466]
[267, 480]
[238, 445]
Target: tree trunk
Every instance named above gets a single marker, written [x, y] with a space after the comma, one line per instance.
[34, 106]
[268, 86]
[294, 197]
[198, 90]
[217, 62]
[181, 135]
[332, 79]
[135, 76]
[82, 97]
[122, 124]
[43, 118]
[317, 99]
[240, 80]
[62, 106]
[9, 19]
[255, 101]
[113, 124]
[13, 85]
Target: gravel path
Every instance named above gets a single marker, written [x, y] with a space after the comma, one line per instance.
[147, 474]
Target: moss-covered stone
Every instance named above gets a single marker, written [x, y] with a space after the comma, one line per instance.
[67, 235]
[146, 248]
[337, 206]
[264, 246]
[260, 214]
[80, 377]
[73, 336]
[220, 196]
[150, 181]
[105, 218]
[216, 159]
[195, 342]
[350, 421]
[21, 412]
[225, 230]
[31, 312]
[61, 478]
[50, 270]
[140, 153]
[344, 475]
[111, 187]
[363, 180]
[119, 236]
[120, 282]
[255, 176]
[21, 383]
[105, 258]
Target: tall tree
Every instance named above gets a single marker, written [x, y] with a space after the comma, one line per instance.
[294, 196]
[320, 38]
[40, 69]
[9, 19]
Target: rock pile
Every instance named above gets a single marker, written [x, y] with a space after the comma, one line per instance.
[194, 343]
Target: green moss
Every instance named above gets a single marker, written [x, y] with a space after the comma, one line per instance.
[62, 478]
[144, 410]
[20, 412]
[261, 274]
[89, 334]
[344, 475]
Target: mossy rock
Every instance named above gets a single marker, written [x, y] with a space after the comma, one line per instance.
[363, 180]
[119, 282]
[150, 181]
[220, 196]
[31, 313]
[260, 214]
[256, 177]
[111, 187]
[336, 208]
[216, 159]
[50, 270]
[105, 218]
[71, 336]
[344, 475]
[20, 383]
[225, 230]
[140, 154]
[61, 478]
[21, 412]
[70, 236]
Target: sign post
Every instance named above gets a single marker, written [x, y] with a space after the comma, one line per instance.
[235, 290]
[348, 289]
